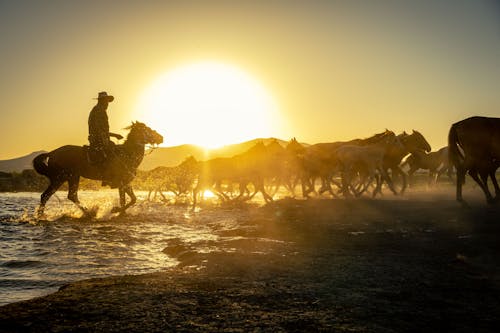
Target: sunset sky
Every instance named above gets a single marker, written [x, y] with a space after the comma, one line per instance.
[329, 70]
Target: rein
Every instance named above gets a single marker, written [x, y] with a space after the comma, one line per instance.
[150, 149]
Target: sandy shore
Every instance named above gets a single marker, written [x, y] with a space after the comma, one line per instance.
[418, 264]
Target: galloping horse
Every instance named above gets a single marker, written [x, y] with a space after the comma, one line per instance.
[248, 167]
[177, 179]
[292, 170]
[69, 163]
[367, 162]
[395, 153]
[320, 160]
[436, 162]
[479, 139]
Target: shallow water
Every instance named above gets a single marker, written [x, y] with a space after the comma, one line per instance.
[37, 257]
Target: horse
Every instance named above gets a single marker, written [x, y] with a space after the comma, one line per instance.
[68, 163]
[248, 167]
[177, 179]
[292, 169]
[276, 171]
[436, 162]
[367, 162]
[478, 138]
[320, 161]
[408, 143]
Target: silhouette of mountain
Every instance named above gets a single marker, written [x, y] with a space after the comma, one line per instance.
[171, 156]
[19, 164]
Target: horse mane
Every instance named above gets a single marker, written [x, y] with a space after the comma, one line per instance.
[374, 138]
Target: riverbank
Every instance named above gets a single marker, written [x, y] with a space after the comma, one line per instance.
[386, 265]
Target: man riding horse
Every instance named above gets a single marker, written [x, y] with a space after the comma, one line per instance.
[101, 147]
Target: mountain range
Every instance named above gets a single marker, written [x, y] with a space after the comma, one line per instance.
[161, 156]
[20, 163]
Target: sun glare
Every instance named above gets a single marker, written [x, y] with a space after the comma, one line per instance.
[208, 104]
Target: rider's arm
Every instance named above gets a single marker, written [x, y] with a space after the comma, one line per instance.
[114, 135]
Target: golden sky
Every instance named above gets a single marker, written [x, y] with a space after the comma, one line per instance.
[337, 70]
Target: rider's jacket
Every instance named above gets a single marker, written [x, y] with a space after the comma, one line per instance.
[99, 127]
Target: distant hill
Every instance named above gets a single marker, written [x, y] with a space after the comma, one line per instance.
[170, 156]
[19, 164]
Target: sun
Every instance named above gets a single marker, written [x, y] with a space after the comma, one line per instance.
[209, 104]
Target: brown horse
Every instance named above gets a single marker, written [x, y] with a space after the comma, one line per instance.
[479, 140]
[436, 162]
[69, 163]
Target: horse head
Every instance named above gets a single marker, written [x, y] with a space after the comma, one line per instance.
[420, 141]
[294, 147]
[142, 134]
[389, 138]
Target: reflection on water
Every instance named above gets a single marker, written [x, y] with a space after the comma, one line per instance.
[37, 257]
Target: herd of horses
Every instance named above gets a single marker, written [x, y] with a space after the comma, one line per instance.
[347, 168]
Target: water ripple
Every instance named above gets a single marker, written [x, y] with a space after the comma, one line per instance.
[36, 257]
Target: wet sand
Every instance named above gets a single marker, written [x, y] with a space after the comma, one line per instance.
[420, 263]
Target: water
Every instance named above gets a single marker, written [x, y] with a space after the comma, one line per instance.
[37, 257]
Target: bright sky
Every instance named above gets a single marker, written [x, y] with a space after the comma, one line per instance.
[336, 70]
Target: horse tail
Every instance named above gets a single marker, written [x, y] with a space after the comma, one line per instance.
[40, 164]
[455, 157]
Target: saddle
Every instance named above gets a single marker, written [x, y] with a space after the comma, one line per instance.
[95, 156]
[103, 161]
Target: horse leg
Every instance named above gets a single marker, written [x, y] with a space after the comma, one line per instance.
[403, 178]
[324, 185]
[196, 190]
[495, 185]
[411, 180]
[378, 187]
[133, 199]
[330, 189]
[73, 183]
[388, 180]
[121, 193]
[430, 178]
[122, 190]
[346, 180]
[51, 189]
[481, 180]
[259, 186]
[163, 197]
[305, 186]
[460, 181]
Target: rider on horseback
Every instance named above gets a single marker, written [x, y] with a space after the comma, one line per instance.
[100, 144]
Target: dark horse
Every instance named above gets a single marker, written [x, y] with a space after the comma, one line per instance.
[478, 138]
[69, 163]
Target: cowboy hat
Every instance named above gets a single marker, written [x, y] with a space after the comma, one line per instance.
[104, 95]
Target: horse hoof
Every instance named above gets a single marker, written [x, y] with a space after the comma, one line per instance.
[116, 210]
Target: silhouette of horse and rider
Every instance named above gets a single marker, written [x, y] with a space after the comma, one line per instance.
[102, 159]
